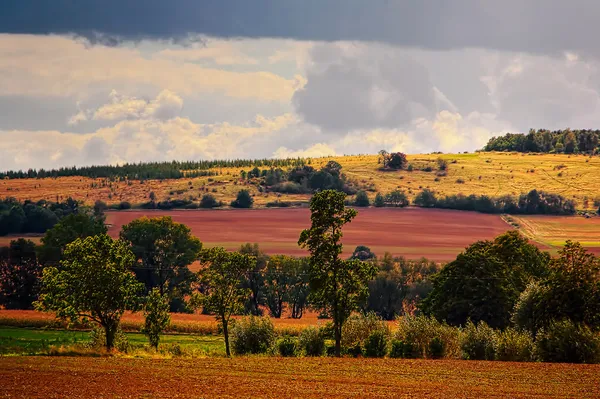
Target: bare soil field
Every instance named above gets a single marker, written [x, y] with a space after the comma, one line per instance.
[436, 234]
[271, 377]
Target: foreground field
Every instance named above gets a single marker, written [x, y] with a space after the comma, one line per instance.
[436, 234]
[573, 176]
[264, 377]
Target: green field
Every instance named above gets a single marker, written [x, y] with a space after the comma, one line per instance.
[22, 341]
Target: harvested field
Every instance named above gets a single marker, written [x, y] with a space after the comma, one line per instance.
[268, 377]
[553, 231]
[412, 232]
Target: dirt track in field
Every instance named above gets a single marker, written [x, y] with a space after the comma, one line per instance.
[271, 377]
[413, 232]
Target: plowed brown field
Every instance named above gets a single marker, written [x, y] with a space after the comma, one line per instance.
[268, 377]
[412, 232]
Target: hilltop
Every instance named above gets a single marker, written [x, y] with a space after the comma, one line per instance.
[574, 177]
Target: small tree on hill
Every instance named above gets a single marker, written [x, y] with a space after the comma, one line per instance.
[379, 201]
[93, 283]
[243, 200]
[208, 201]
[397, 198]
[222, 292]
[337, 286]
[362, 199]
[397, 160]
[156, 316]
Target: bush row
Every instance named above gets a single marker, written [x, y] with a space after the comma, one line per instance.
[423, 337]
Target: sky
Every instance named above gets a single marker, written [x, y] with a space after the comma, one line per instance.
[107, 81]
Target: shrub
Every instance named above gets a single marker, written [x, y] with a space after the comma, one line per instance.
[567, 342]
[425, 199]
[359, 327]
[243, 200]
[421, 335]
[397, 198]
[252, 335]
[477, 342]
[528, 314]
[460, 181]
[376, 344]
[124, 205]
[442, 164]
[312, 342]
[362, 199]
[208, 201]
[286, 346]
[156, 316]
[514, 346]
[379, 201]
[410, 167]
[401, 349]
[98, 340]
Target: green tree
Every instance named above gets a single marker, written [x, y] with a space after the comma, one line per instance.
[363, 253]
[277, 279]
[221, 283]
[254, 279]
[379, 201]
[20, 272]
[336, 286]
[243, 200]
[362, 199]
[70, 228]
[397, 160]
[156, 316]
[163, 249]
[383, 158]
[208, 201]
[93, 283]
[397, 198]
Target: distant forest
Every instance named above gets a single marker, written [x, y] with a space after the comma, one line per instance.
[153, 170]
[542, 140]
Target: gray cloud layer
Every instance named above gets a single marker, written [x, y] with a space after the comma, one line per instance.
[535, 26]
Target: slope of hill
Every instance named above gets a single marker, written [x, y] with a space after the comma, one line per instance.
[575, 177]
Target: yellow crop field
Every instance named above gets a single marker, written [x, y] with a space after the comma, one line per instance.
[574, 176]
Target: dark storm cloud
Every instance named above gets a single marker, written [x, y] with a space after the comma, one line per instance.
[540, 26]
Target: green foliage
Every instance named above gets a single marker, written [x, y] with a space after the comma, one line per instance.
[442, 164]
[254, 278]
[362, 199]
[286, 282]
[286, 346]
[163, 249]
[243, 200]
[425, 199]
[312, 341]
[156, 316]
[70, 228]
[221, 279]
[397, 198]
[209, 201]
[376, 344]
[93, 283]
[514, 346]
[567, 342]
[337, 286]
[484, 282]
[529, 313]
[379, 201]
[425, 337]
[33, 217]
[478, 342]
[358, 327]
[97, 340]
[252, 335]
[568, 141]
[20, 273]
[396, 160]
[363, 253]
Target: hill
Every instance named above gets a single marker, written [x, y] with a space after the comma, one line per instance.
[575, 177]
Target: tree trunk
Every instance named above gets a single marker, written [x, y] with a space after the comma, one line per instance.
[110, 332]
[226, 336]
[338, 336]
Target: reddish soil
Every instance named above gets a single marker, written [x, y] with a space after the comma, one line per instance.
[275, 377]
[412, 232]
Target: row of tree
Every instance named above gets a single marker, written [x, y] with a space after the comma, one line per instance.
[33, 217]
[558, 141]
[152, 170]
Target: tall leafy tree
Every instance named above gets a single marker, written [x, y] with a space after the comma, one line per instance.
[156, 316]
[221, 285]
[94, 282]
[337, 286]
[70, 228]
[254, 279]
[20, 272]
[164, 249]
